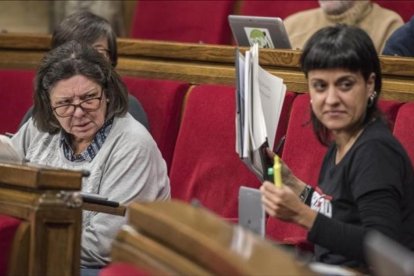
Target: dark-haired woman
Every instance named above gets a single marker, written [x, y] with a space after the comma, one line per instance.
[80, 121]
[366, 180]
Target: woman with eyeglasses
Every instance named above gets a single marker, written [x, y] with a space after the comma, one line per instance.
[91, 29]
[80, 122]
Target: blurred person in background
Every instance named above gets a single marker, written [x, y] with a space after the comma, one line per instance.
[401, 42]
[378, 22]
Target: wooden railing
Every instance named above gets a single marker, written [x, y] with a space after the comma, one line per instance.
[201, 63]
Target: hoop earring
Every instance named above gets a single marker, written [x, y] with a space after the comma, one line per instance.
[371, 99]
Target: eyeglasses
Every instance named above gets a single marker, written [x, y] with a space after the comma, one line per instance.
[67, 110]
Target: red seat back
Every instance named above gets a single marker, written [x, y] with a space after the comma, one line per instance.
[183, 21]
[8, 228]
[16, 96]
[125, 269]
[206, 166]
[162, 101]
[280, 9]
[404, 128]
[403, 7]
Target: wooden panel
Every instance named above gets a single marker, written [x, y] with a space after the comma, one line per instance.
[201, 63]
[132, 247]
[48, 240]
[209, 241]
[32, 176]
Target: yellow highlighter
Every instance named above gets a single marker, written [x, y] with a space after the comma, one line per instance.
[277, 172]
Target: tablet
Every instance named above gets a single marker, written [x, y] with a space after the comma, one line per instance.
[251, 210]
[269, 32]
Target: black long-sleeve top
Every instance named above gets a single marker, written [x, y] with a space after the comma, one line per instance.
[372, 187]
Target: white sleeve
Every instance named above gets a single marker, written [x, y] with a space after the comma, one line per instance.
[131, 173]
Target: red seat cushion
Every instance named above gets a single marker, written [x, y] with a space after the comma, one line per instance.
[162, 101]
[16, 96]
[183, 21]
[8, 228]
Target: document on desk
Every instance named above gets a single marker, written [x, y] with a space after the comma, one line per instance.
[259, 101]
[7, 151]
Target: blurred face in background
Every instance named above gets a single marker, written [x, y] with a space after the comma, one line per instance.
[335, 6]
[101, 45]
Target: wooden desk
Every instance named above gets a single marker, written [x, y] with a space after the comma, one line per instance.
[203, 239]
[48, 240]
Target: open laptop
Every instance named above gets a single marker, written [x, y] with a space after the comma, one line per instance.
[251, 210]
[387, 257]
[268, 32]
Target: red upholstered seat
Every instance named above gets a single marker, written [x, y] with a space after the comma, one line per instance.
[183, 21]
[390, 109]
[404, 128]
[205, 165]
[403, 7]
[8, 227]
[16, 96]
[283, 122]
[162, 101]
[280, 9]
[304, 154]
[124, 269]
[283, 9]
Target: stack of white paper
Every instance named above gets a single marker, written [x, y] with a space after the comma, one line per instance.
[259, 101]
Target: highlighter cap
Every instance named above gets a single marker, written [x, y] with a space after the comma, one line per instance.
[270, 172]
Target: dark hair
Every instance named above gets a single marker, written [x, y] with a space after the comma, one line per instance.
[344, 47]
[66, 61]
[86, 27]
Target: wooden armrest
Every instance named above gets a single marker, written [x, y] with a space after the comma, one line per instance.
[118, 211]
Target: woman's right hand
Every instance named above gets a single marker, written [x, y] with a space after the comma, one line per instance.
[283, 204]
[288, 178]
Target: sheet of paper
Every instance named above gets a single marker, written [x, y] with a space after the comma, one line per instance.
[259, 101]
[272, 94]
[7, 151]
